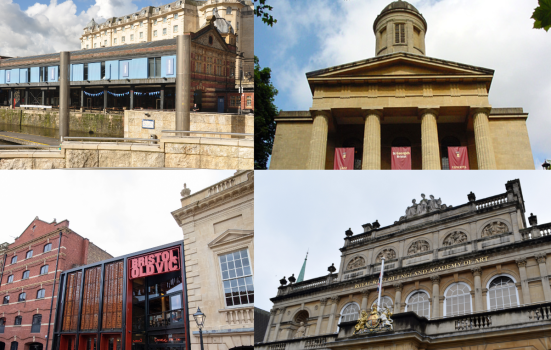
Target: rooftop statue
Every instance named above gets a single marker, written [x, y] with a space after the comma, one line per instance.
[424, 206]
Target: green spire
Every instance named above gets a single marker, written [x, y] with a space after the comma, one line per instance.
[301, 274]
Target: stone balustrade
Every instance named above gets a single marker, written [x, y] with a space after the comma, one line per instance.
[239, 316]
[473, 322]
[491, 201]
[221, 186]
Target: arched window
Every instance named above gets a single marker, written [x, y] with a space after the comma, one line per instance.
[29, 254]
[22, 296]
[2, 324]
[6, 300]
[41, 293]
[419, 302]
[48, 246]
[448, 141]
[44, 270]
[502, 293]
[386, 302]
[302, 316]
[458, 300]
[18, 320]
[25, 275]
[14, 345]
[37, 320]
[228, 10]
[350, 312]
[10, 279]
[14, 259]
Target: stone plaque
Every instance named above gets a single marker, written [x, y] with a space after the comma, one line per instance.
[148, 124]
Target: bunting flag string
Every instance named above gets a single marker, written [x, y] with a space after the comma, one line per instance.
[154, 93]
[93, 95]
[147, 93]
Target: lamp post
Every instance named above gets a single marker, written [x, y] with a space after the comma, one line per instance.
[546, 165]
[200, 320]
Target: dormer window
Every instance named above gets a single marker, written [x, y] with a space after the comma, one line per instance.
[400, 33]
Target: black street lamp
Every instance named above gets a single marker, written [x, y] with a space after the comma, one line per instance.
[200, 320]
[546, 165]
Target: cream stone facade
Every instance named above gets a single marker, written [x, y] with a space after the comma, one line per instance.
[401, 98]
[235, 23]
[471, 276]
[218, 221]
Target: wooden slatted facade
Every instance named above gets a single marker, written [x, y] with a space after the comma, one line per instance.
[91, 299]
[72, 300]
[112, 296]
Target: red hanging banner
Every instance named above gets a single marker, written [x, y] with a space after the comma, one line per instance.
[401, 158]
[344, 159]
[458, 158]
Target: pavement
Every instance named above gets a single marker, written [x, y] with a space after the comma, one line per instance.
[27, 139]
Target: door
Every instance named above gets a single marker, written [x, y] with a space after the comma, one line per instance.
[220, 105]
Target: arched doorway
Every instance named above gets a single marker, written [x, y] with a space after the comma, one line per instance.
[448, 141]
[35, 346]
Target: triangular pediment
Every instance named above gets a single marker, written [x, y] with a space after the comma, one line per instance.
[202, 37]
[230, 236]
[399, 65]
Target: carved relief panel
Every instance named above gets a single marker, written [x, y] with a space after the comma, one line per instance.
[388, 253]
[454, 238]
[355, 263]
[495, 228]
[418, 246]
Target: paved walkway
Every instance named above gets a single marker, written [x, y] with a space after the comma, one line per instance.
[26, 139]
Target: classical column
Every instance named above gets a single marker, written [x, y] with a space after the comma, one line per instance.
[162, 96]
[43, 98]
[365, 296]
[483, 140]
[267, 335]
[334, 301]
[64, 93]
[323, 302]
[541, 258]
[477, 272]
[105, 98]
[131, 97]
[318, 140]
[81, 99]
[281, 312]
[435, 296]
[429, 140]
[524, 283]
[371, 159]
[398, 297]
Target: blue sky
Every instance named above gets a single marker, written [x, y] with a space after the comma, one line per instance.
[316, 34]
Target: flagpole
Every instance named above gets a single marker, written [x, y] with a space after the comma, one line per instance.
[381, 282]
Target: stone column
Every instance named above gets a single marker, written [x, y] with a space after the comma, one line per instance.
[82, 99]
[12, 96]
[27, 96]
[523, 280]
[183, 81]
[365, 296]
[43, 98]
[267, 335]
[334, 301]
[371, 159]
[318, 140]
[477, 272]
[429, 140]
[541, 258]
[323, 302]
[435, 296]
[64, 92]
[131, 97]
[105, 98]
[278, 324]
[162, 96]
[483, 140]
[398, 298]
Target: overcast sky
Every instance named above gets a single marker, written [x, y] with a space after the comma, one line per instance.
[120, 211]
[296, 211]
[495, 34]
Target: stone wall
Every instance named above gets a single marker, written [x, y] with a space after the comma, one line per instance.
[222, 122]
[97, 123]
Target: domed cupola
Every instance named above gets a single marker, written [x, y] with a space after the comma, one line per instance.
[400, 27]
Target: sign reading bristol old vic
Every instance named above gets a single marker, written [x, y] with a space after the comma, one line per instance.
[155, 263]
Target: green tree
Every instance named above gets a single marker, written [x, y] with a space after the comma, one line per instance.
[264, 114]
[542, 15]
[262, 9]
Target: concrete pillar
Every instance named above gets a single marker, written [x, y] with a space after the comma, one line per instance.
[131, 97]
[27, 96]
[267, 335]
[523, 280]
[331, 323]
[541, 258]
[12, 96]
[371, 159]
[477, 272]
[278, 324]
[323, 302]
[365, 297]
[318, 140]
[183, 81]
[429, 140]
[162, 97]
[43, 98]
[81, 99]
[105, 98]
[398, 298]
[64, 90]
[483, 140]
[435, 296]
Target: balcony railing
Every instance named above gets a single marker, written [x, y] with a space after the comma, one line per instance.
[167, 319]
[491, 201]
[239, 316]
[536, 231]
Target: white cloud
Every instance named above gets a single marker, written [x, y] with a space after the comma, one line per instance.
[51, 28]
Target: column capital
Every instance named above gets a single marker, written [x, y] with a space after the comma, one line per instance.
[372, 111]
[541, 258]
[320, 113]
[480, 109]
[521, 262]
[365, 292]
[323, 301]
[476, 271]
[435, 279]
[273, 312]
[421, 111]
[398, 286]
[335, 299]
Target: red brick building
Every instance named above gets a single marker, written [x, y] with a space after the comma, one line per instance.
[27, 275]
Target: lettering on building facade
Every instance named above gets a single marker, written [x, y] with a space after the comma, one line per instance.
[156, 263]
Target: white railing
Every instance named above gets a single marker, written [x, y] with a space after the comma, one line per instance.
[239, 316]
[491, 201]
[221, 186]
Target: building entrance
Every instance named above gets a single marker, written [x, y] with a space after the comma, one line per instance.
[35, 346]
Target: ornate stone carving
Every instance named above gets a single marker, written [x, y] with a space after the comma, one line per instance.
[521, 262]
[365, 292]
[435, 279]
[356, 262]
[424, 206]
[300, 331]
[454, 238]
[540, 258]
[418, 246]
[477, 271]
[398, 286]
[301, 316]
[273, 312]
[495, 228]
[388, 253]
[323, 301]
[335, 299]
[185, 192]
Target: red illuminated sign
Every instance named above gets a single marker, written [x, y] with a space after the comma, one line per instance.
[154, 263]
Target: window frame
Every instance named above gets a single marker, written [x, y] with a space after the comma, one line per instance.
[38, 292]
[444, 313]
[236, 278]
[2, 324]
[23, 275]
[400, 35]
[347, 305]
[27, 256]
[412, 294]
[41, 268]
[22, 297]
[488, 292]
[49, 245]
[14, 259]
[19, 319]
[382, 298]
[6, 300]
[10, 279]
[35, 329]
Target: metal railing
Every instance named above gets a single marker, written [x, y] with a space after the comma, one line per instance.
[25, 148]
[117, 140]
[206, 133]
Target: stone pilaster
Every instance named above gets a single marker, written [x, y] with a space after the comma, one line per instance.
[429, 140]
[435, 296]
[398, 297]
[323, 302]
[267, 335]
[371, 159]
[365, 296]
[318, 140]
[523, 280]
[541, 259]
[330, 325]
[483, 139]
[278, 324]
[477, 272]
